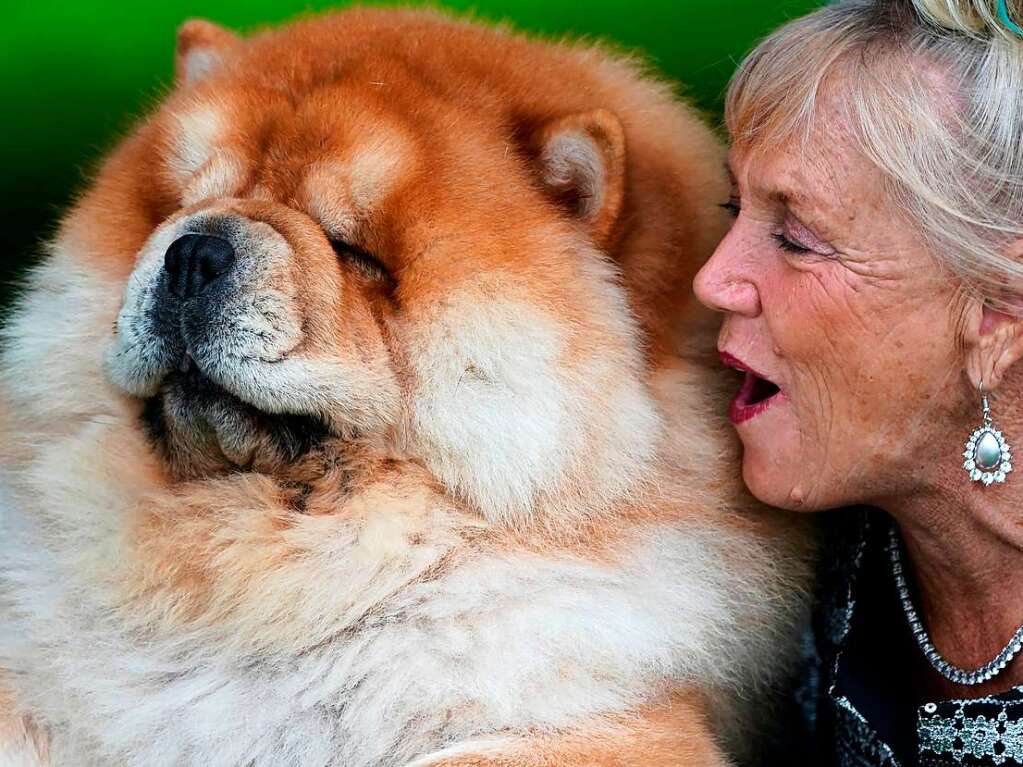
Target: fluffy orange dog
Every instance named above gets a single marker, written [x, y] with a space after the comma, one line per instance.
[357, 418]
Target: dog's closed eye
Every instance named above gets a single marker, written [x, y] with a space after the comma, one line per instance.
[367, 264]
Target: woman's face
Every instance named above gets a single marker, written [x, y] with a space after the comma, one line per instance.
[849, 328]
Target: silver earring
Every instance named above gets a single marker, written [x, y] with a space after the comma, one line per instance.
[987, 454]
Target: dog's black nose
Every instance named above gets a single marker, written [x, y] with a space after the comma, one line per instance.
[194, 261]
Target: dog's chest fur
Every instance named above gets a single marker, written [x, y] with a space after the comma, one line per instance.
[365, 638]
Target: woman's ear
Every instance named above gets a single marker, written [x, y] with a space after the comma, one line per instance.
[994, 341]
[993, 335]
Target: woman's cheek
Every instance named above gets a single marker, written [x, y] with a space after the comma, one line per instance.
[816, 344]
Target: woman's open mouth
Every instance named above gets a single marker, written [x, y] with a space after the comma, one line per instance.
[756, 394]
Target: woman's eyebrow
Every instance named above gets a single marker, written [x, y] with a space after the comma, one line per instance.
[786, 191]
[792, 194]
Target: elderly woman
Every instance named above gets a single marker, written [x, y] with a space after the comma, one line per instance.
[872, 291]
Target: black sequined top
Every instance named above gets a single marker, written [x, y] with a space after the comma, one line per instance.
[852, 706]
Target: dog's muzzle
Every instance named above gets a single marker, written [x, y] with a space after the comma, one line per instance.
[232, 332]
[207, 314]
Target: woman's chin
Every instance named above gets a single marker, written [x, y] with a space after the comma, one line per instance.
[771, 479]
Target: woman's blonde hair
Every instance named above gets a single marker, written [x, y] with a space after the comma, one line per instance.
[932, 91]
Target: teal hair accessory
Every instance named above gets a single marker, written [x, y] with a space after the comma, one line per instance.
[1003, 15]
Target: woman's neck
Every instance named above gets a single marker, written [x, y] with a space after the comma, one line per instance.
[964, 546]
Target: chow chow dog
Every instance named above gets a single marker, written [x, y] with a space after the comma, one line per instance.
[360, 414]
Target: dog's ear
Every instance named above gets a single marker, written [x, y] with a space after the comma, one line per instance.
[581, 164]
[202, 47]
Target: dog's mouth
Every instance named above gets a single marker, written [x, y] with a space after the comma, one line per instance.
[186, 364]
[203, 428]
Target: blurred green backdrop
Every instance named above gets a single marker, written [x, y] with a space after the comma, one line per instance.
[74, 75]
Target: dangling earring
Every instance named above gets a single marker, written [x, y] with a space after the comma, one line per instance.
[987, 453]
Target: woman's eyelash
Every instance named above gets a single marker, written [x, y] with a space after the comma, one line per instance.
[732, 206]
[786, 244]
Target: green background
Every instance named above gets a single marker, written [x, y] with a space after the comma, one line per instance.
[73, 76]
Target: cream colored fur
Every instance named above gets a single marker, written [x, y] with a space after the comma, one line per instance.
[353, 658]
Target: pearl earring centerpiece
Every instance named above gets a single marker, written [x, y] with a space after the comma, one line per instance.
[988, 457]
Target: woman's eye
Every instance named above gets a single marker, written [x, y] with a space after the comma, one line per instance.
[786, 244]
[366, 263]
[795, 237]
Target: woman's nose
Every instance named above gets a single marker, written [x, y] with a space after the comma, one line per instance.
[724, 284]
